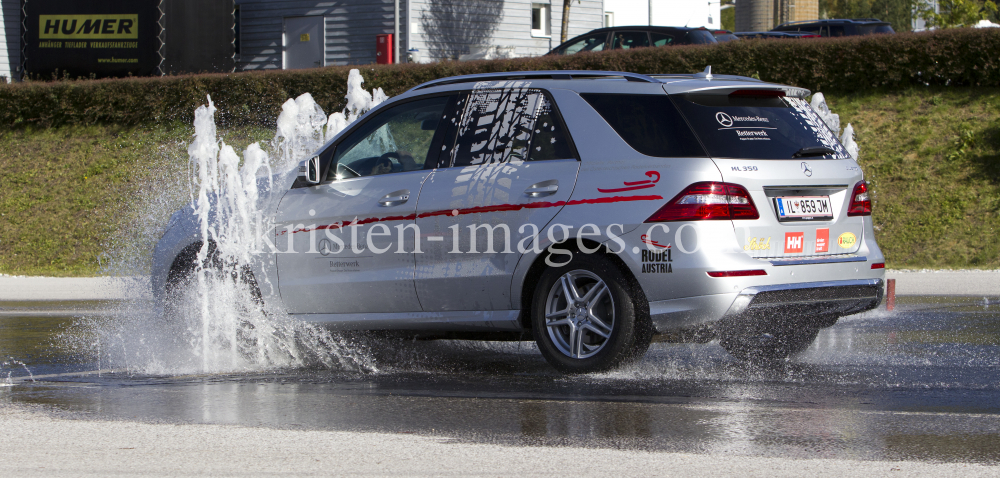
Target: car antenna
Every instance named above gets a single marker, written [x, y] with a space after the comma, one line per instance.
[707, 74]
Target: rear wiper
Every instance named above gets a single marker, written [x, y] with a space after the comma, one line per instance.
[813, 151]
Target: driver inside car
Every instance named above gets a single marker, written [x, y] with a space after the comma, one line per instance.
[382, 166]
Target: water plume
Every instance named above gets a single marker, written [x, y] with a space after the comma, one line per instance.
[214, 320]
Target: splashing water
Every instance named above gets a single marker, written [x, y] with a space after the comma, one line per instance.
[215, 320]
[833, 121]
[9, 380]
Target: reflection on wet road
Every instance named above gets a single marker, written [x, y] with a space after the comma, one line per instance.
[922, 383]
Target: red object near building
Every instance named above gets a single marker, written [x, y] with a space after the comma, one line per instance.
[383, 49]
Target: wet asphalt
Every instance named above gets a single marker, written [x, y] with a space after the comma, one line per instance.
[919, 383]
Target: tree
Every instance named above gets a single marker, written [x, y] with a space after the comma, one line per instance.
[728, 20]
[957, 13]
[565, 20]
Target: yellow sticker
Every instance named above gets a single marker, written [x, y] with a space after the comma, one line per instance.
[304, 37]
[755, 244]
[847, 240]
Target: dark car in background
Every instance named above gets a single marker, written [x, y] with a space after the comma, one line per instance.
[624, 38]
[772, 35]
[842, 27]
[723, 36]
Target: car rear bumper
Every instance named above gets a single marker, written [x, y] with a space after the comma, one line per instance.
[816, 304]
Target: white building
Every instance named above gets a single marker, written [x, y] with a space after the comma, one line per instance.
[667, 13]
[10, 39]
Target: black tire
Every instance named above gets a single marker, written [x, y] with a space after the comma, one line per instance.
[770, 347]
[573, 342]
[183, 275]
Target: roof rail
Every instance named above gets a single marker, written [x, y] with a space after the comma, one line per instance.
[866, 19]
[524, 75]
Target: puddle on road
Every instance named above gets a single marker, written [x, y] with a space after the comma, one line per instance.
[919, 383]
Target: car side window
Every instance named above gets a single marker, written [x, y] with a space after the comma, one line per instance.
[396, 140]
[661, 39]
[550, 140]
[629, 40]
[588, 43]
[498, 125]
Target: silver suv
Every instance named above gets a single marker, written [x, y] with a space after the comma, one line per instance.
[590, 211]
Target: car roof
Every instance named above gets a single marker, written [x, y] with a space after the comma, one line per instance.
[642, 27]
[834, 21]
[605, 81]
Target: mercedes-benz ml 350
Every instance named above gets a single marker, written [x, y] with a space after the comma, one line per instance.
[588, 211]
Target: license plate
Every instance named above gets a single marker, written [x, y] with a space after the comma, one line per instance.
[803, 207]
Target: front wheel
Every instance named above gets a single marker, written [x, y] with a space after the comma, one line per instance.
[585, 319]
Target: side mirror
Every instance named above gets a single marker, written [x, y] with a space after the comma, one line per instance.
[309, 170]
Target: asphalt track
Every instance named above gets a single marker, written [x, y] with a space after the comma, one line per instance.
[913, 392]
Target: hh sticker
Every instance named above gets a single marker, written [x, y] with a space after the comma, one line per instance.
[793, 242]
[758, 244]
[847, 240]
[822, 240]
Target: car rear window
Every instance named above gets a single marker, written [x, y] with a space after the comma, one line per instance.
[755, 127]
[650, 124]
[874, 28]
[700, 37]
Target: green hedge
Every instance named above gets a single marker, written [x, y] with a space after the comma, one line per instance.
[957, 57]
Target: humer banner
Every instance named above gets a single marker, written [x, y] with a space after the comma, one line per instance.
[84, 38]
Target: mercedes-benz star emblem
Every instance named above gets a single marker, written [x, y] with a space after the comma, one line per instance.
[724, 119]
[325, 247]
[806, 169]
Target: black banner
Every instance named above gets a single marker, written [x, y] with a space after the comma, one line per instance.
[84, 38]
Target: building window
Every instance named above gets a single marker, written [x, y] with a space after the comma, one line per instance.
[236, 31]
[541, 20]
[609, 19]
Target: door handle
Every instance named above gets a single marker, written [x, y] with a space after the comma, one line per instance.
[542, 189]
[395, 198]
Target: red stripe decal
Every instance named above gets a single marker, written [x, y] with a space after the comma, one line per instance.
[481, 209]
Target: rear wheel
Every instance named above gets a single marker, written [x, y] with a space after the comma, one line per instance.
[585, 319]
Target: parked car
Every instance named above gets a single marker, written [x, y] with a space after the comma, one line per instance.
[837, 27]
[587, 210]
[772, 35]
[624, 38]
[722, 36]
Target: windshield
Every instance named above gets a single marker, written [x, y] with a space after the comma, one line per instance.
[754, 127]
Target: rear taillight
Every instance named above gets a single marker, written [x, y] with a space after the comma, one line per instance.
[878, 265]
[755, 272]
[861, 204]
[708, 201]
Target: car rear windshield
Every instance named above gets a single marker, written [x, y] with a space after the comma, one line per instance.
[755, 127]
[700, 37]
[874, 28]
[650, 124]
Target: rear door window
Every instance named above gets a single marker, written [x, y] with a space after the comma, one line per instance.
[629, 40]
[754, 127]
[499, 125]
[650, 124]
[662, 39]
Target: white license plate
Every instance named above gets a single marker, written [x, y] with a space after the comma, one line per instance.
[804, 207]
